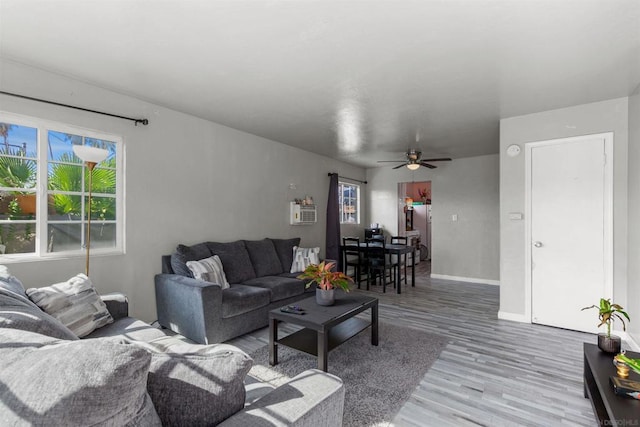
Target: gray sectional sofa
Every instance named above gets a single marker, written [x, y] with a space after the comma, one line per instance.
[258, 272]
[129, 373]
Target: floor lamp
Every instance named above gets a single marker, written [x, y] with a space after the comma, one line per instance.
[91, 156]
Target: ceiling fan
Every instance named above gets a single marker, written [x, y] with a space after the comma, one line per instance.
[414, 160]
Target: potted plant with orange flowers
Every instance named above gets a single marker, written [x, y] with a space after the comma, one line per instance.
[327, 280]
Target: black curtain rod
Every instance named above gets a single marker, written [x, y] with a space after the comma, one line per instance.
[136, 121]
[346, 177]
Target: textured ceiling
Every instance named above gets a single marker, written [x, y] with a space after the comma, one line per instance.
[356, 80]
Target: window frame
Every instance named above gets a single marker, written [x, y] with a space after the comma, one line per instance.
[43, 126]
[341, 185]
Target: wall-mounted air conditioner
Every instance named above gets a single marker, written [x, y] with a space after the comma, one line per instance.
[302, 214]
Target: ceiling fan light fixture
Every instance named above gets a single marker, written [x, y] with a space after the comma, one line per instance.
[414, 160]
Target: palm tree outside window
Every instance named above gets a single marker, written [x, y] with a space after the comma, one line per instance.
[53, 218]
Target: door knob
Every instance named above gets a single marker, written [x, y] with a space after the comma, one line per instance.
[537, 244]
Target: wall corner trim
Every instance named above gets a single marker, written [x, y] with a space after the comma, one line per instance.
[628, 339]
[514, 317]
[466, 279]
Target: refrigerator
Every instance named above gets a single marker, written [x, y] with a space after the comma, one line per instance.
[422, 223]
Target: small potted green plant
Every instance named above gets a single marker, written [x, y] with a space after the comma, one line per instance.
[327, 281]
[607, 313]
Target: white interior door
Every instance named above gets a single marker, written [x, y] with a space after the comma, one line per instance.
[569, 232]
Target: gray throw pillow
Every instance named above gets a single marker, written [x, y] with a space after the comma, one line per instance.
[209, 270]
[179, 264]
[194, 384]
[284, 249]
[264, 257]
[18, 312]
[75, 303]
[183, 254]
[9, 282]
[93, 382]
[235, 258]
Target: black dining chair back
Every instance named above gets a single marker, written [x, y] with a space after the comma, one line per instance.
[399, 240]
[354, 257]
[379, 262]
[379, 237]
[402, 261]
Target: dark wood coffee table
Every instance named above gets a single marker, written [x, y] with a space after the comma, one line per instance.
[609, 408]
[325, 328]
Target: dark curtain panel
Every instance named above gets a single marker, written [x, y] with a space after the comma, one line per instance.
[333, 223]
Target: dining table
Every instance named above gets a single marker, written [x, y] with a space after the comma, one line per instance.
[391, 249]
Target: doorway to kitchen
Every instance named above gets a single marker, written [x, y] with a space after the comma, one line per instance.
[414, 217]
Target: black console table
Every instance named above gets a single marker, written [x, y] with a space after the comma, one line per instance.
[609, 408]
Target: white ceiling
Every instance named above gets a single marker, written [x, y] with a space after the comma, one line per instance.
[354, 80]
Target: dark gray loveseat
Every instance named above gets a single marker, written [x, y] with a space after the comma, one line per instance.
[258, 272]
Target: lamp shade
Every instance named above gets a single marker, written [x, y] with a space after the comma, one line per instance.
[90, 154]
[413, 166]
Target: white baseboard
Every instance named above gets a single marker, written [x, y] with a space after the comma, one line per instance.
[466, 279]
[514, 317]
[628, 339]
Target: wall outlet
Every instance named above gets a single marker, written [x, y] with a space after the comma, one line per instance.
[515, 216]
[454, 217]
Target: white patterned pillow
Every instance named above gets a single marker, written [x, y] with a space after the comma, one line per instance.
[210, 270]
[303, 257]
[75, 303]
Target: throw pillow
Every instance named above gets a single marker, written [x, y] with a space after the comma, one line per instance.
[9, 282]
[303, 257]
[264, 257]
[284, 249]
[72, 383]
[210, 270]
[18, 312]
[179, 264]
[235, 258]
[75, 303]
[184, 253]
[206, 379]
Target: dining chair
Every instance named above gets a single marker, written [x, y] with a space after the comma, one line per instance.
[353, 256]
[402, 262]
[378, 237]
[379, 262]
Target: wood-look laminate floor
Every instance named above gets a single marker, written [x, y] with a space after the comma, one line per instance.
[493, 372]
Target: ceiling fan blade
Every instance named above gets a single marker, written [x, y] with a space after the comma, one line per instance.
[444, 159]
[399, 166]
[427, 165]
[390, 161]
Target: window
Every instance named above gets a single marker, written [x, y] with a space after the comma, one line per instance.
[349, 203]
[44, 187]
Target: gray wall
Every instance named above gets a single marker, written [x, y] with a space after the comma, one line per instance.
[468, 187]
[187, 180]
[585, 119]
[633, 296]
